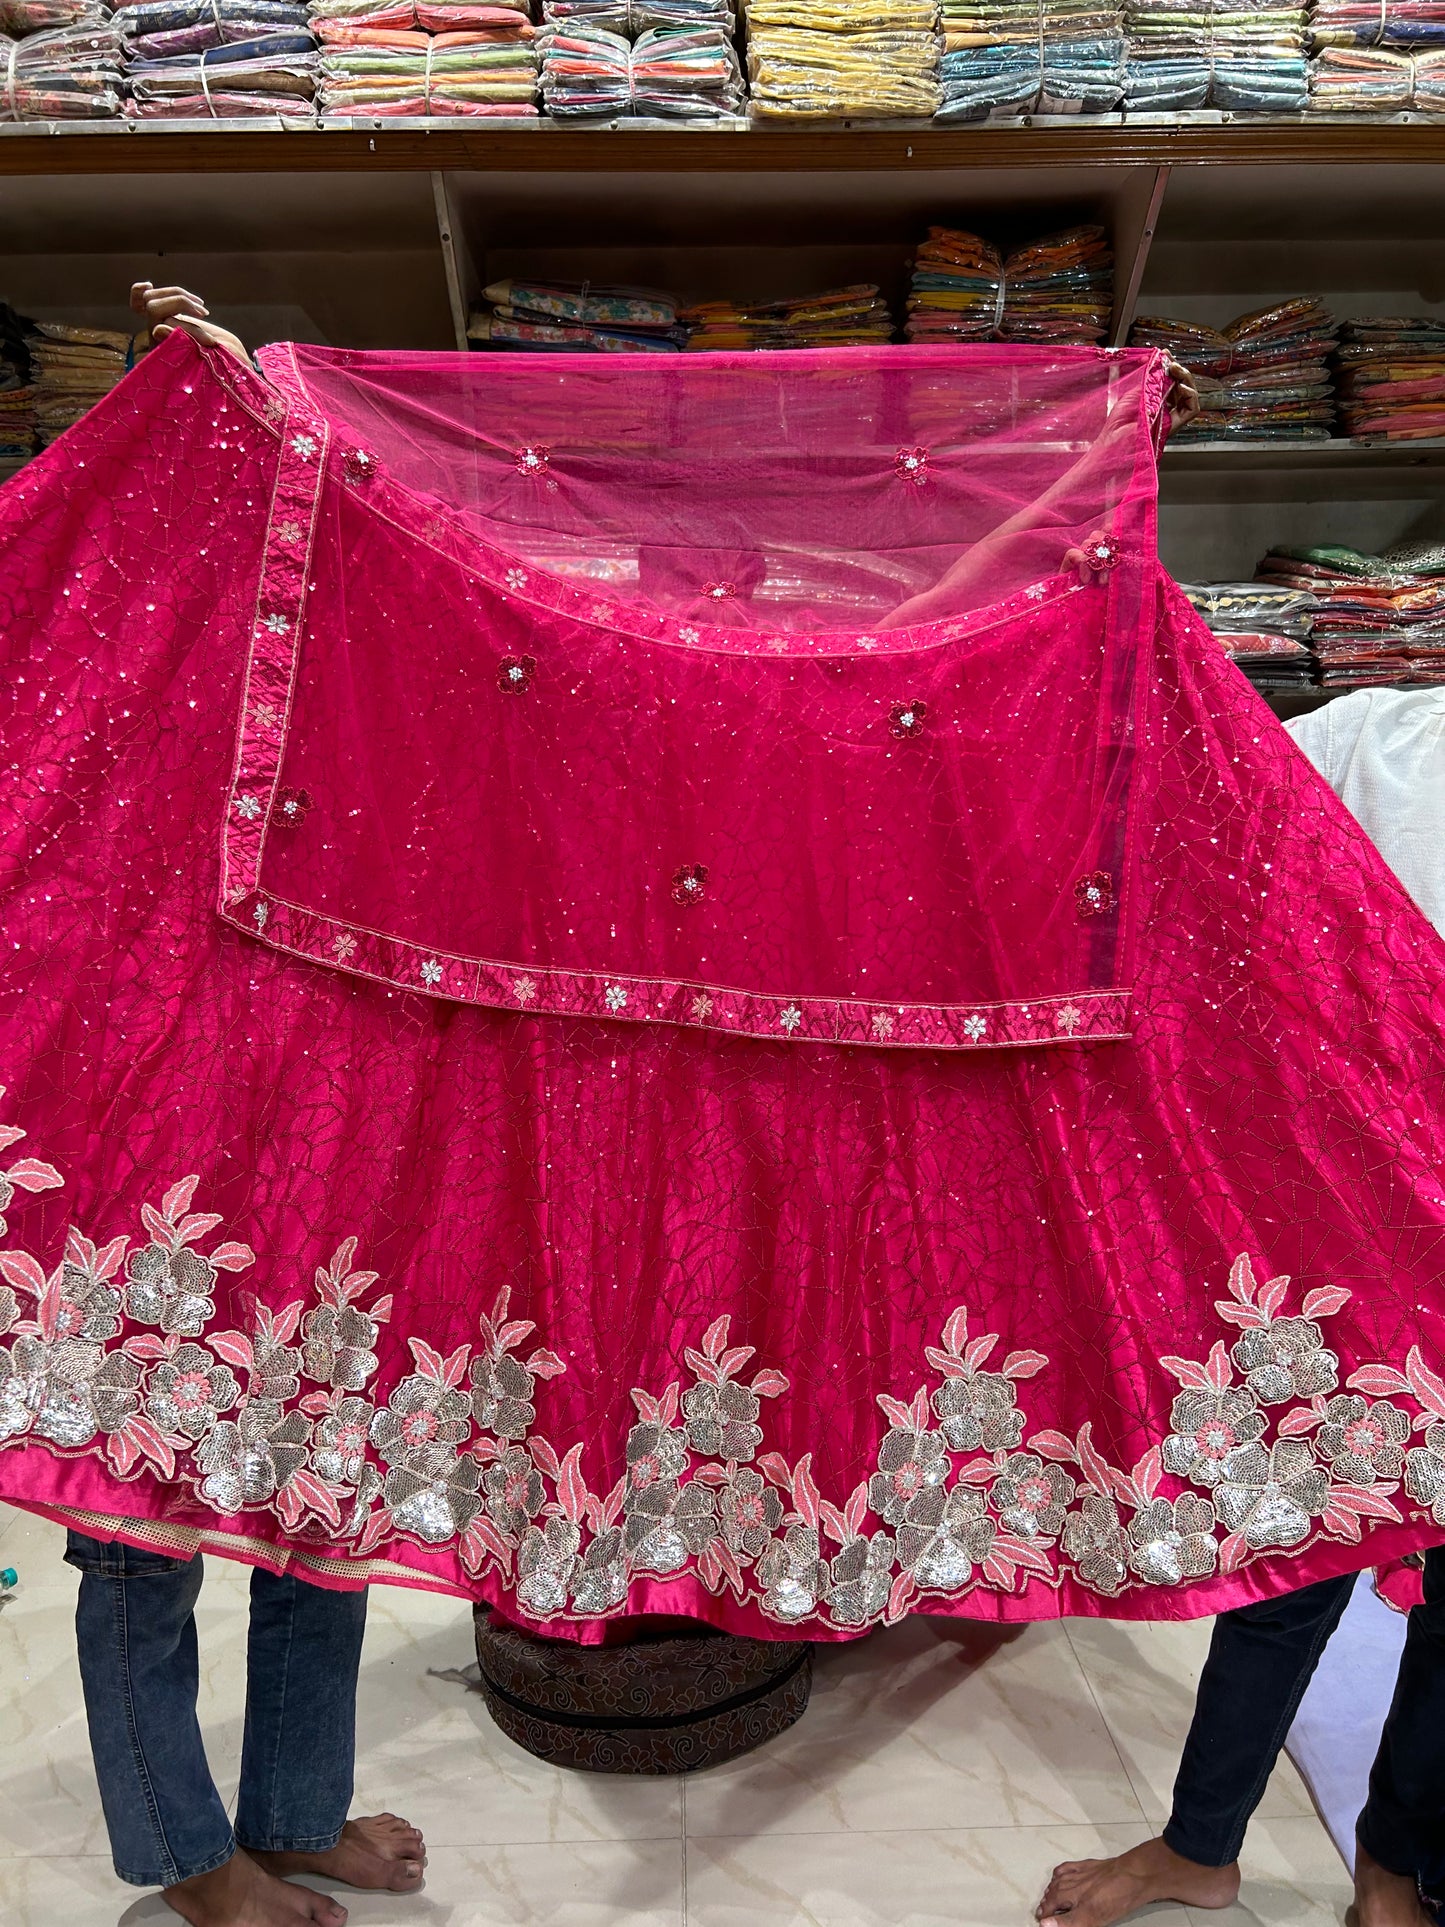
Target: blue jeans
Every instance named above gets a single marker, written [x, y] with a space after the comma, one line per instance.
[136, 1630]
[1261, 1659]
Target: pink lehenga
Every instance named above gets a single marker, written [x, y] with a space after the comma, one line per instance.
[688, 987]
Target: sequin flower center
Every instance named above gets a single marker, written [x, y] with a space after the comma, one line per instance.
[689, 883]
[1094, 894]
[911, 465]
[533, 460]
[358, 465]
[516, 673]
[906, 719]
[290, 808]
[1101, 553]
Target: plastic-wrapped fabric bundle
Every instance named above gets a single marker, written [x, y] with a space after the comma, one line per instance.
[70, 73]
[686, 73]
[841, 317]
[18, 436]
[1390, 377]
[1377, 623]
[1247, 56]
[73, 369]
[1377, 80]
[20, 18]
[825, 59]
[273, 76]
[1264, 377]
[164, 29]
[1263, 627]
[1377, 23]
[564, 315]
[403, 59]
[1022, 56]
[585, 73]
[1059, 288]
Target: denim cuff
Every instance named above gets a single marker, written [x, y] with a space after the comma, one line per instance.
[317, 1843]
[172, 1876]
[1201, 1852]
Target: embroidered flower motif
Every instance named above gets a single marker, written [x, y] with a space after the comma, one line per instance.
[667, 1524]
[720, 591]
[701, 1008]
[882, 1026]
[275, 1370]
[944, 1535]
[1094, 894]
[517, 578]
[431, 973]
[515, 673]
[524, 989]
[433, 1494]
[1036, 591]
[791, 1018]
[689, 883]
[1173, 1540]
[289, 532]
[602, 612]
[344, 945]
[1100, 553]
[600, 1576]
[751, 1512]
[534, 460]
[290, 808]
[1271, 1497]
[720, 1421]
[978, 1412]
[975, 1027]
[249, 807]
[358, 465]
[266, 715]
[615, 997]
[1068, 1018]
[172, 1289]
[1286, 1359]
[1425, 1472]
[339, 1345]
[906, 719]
[339, 1450]
[9, 1303]
[911, 465]
[89, 1308]
[860, 1579]
[794, 1574]
[277, 625]
[654, 1453]
[1094, 1539]
[190, 1390]
[304, 446]
[502, 1394]
[250, 1458]
[907, 1462]
[545, 1564]
[1030, 1496]
[1363, 1441]
[420, 1414]
[514, 1491]
[1211, 1431]
[867, 642]
[689, 635]
[261, 915]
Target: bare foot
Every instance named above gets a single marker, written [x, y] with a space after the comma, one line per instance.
[1383, 1899]
[382, 1853]
[1096, 1893]
[241, 1894]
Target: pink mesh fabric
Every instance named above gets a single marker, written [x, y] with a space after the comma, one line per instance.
[691, 989]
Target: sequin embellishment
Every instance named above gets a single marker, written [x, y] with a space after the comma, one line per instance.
[906, 719]
[911, 465]
[689, 883]
[290, 808]
[515, 674]
[1094, 894]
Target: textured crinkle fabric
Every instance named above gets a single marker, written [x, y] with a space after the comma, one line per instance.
[691, 990]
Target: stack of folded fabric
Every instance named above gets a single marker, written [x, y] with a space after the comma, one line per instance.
[1030, 56]
[17, 386]
[73, 369]
[559, 316]
[826, 59]
[397, 59]
[1378, 56]
[218, 59]
[70, 71]
[1377, 622]
[840, 318]
[592, 71]
[1390, 377]
[1264, 627]
[1057, 289]
[1247, 56]
[1263, 378]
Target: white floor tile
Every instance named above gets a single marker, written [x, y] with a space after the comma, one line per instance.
[1293, 1877]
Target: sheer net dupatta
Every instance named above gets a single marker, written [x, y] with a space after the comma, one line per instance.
[790, 696]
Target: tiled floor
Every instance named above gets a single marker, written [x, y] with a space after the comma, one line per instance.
[939, 1773]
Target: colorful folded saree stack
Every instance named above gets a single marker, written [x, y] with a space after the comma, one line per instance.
[218, 59]
[1247, 56]
[1030, 56]
[1390, 377]
[591, 71]
[841, 318]
[1262, 627]
[1378, 621]
[1380, 58]
[560, 316]
[831, 59]
[394, 59]
[74, 368]
[1059, 288]
[59, 61]
[1265, 377]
